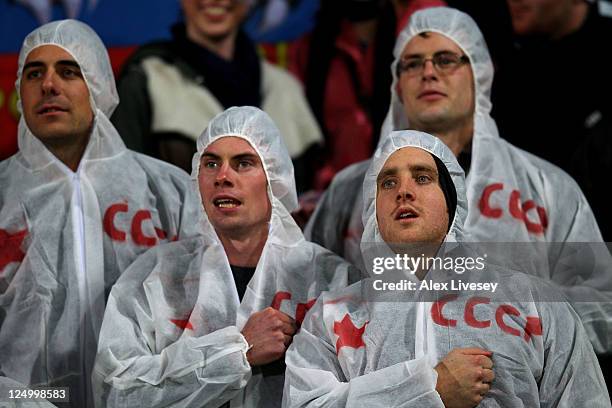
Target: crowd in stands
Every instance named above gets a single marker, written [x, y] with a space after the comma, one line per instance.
[440, 125]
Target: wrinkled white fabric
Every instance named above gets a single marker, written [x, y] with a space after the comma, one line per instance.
[513, 196]
[171, 333]
[65, 237]
[355, 349]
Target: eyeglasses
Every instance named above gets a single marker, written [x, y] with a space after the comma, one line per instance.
[445, 62]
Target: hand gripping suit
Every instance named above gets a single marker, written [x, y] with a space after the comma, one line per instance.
[171, 332]
[513, 196]
[360, 347]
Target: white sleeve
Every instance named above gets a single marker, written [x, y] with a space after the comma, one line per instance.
[572, 376]
[314, 377]
[582, 268]
[193, 371]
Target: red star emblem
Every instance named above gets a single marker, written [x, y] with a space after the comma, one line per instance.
[182, 323]
[348, 334]
[10, 247]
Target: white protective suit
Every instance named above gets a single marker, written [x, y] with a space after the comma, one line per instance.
[65, 237]
[171, 332]
[358, 349]
[513, 196]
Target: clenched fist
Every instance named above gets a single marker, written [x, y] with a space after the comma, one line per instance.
[269, 333]
[464, 377]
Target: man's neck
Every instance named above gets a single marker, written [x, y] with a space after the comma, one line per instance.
[69, 152]
[223, 47]
[458, 139]
[242, 248]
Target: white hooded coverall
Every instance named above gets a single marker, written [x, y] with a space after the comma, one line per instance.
[358, 349]
[171, 332]
[513, 196]
[65, 237]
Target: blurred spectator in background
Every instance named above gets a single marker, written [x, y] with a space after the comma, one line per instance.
[344, 64]
[170, 90]
[552, 88]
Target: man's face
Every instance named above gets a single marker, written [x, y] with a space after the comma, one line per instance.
[213, 20]
[234, 188]
[54, 96]
[539, 16]
[410, 205]
[434, 101]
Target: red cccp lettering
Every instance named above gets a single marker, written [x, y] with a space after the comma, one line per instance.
[436, 311]
[499, 318]
[138, 235]
[468, 315]
[485, 207]
[109, 221]
[533, 325]
[136, 229]
[517, 209]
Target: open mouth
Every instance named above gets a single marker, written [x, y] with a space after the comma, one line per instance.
[406, 214]
[226, 203]
[50, 109]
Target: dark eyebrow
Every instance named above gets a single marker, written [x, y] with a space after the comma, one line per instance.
[246, 156]
[435, 53]
[386, 172]
[417, 168]
[239, 156]
[38, 64]
[412, 56]
[209, 156]
[70, 63]
[423, 168]
[33, 64]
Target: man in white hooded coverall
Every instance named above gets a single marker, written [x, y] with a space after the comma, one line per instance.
[442, 82]
[197, 322]
[368, 345]
[76, 209]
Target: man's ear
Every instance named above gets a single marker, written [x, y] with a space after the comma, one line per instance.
[398, 90]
